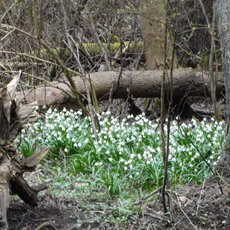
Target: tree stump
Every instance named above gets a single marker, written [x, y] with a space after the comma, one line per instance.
[12, 164]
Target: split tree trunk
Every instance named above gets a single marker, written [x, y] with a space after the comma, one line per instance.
[12, 165]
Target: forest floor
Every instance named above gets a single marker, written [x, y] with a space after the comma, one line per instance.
[191, 207]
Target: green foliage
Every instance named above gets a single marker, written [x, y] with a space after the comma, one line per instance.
[127, 153]
[27, 147]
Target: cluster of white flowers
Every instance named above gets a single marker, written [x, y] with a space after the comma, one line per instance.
[132, 145]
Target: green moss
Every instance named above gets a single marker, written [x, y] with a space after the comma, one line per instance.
[92, 48]
[95, 49]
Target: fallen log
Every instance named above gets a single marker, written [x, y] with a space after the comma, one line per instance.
[135, 84]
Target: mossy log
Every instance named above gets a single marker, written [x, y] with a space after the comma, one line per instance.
[88, 49]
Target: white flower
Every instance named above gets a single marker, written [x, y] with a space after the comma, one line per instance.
[122, 160]
[73, 139]
[86, 141]
[150, 149]
[132, 155]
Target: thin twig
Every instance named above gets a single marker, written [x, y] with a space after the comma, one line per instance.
[177, 202]
[46, 224]
[199, 199]
[147, 197]
[164, 148]
[206, 162]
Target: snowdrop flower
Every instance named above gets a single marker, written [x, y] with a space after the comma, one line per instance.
[148, 162]
[86, 141]
[132, 155]
[122, 160]
[150, 149]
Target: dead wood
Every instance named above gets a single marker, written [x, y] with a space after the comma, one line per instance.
[135, 84]
[12, 164]
[20, 187]
[4, 192]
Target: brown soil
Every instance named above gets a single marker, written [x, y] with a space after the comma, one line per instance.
[192, 207]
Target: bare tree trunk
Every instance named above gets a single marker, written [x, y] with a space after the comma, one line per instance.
[152, 18]
[224, 30]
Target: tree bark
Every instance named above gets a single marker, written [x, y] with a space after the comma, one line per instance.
[152, 24]
[224, 31]
[12, 166]
[4, 193]
[136, 84]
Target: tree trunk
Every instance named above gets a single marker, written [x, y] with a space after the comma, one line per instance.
[135, 84]
[152, 24]
[12, 166]
[224, 31]
[4, 192]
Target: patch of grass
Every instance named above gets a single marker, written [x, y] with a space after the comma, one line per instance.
[127, 155]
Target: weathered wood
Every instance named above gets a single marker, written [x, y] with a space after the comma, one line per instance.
[20, 187]
[4, 192]
[33, 160]
[136, 84]
[12, 166]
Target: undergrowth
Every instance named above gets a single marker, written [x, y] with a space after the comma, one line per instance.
[126, 156]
